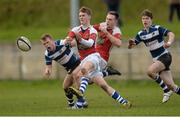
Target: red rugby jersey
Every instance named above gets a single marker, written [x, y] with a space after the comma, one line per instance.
[88, 33]
[103, 44]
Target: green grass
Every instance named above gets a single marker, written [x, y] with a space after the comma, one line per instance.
[47, 98]
[34, 34]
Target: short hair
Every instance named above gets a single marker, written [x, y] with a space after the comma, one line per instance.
[114, 13]
[85, 10]
[147, 12]
[45, 36]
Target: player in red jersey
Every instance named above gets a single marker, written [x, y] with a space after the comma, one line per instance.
[109, 36]
[84, 34]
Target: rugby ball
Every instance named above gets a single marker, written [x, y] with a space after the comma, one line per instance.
[23, 44]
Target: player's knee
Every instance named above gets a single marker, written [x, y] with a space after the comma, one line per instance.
[150, 73]
[75, 75]
[84, 71]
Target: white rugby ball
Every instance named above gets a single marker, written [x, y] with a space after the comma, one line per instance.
[23, 44]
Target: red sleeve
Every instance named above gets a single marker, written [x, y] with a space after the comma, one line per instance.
[96, 26]
[117, 35]
[71, 34]
[93, 36]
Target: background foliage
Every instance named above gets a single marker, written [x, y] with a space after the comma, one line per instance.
[32, 18]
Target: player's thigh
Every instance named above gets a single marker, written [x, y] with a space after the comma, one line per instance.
[91, 63]
[76, 73]
[156, 67]
[87, 67]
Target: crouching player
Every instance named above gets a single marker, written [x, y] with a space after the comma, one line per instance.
[62, 54]
[91, 67]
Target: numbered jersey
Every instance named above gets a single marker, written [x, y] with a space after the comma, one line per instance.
[63, 55]
[103, 44]
[86, 33]
[153, 39]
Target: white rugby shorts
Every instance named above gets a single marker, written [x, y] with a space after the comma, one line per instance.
[98, 62]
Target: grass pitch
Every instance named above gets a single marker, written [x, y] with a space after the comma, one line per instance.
[47, 98]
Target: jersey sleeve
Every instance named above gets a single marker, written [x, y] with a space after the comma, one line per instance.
[117, 33]
[72, 32]
[137, 39]
[47, 59]
[96, 26]
[163, 31]
[93, 34]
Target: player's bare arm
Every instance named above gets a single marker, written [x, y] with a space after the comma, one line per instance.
[115, 41]
[48, 70]
[171, 36]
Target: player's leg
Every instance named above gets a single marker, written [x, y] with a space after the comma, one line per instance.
[77, 80]
[110, 91]
[68, 81]
[85, 67]
[168, 80]
[88, 66]
[153, 72]
[109, 70]
[178, 11]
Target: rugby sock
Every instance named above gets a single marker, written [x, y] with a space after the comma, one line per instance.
[69, 97]
[118, 97]
[84, 84]
[177, 90]
[80, 102]
[105, 73]
[161, 83]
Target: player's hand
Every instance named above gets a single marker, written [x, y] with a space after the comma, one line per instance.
[78, 37]
[167, 44]
[67, 41]
[47, 72]
[103, 27]
[131, 43]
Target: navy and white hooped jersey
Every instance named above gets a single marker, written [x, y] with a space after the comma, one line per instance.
[63, 55]
[153, 39]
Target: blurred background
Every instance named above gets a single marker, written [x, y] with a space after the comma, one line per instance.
[32, 18]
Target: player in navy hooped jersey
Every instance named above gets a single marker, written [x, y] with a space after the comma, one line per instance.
[153, 38]
[62, 54]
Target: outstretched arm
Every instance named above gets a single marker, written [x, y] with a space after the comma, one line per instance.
[170, 39]
[48, 70]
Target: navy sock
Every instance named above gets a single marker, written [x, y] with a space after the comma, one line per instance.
[117, 97]
[161, 83]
